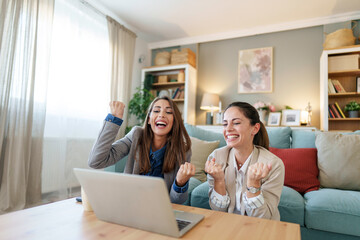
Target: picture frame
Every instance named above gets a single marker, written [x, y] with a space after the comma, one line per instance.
[274, 119]
[290, 117]
[358, 84]
[255, 70]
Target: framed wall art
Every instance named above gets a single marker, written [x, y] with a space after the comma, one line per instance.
[290, 117]
[255, 70]
[274, 119]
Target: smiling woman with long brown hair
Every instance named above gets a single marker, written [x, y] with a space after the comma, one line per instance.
[161, 148]
[244, 177]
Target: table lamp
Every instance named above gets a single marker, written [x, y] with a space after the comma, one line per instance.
[210, 103]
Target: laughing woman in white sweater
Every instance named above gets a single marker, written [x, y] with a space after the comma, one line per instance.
[244, 177]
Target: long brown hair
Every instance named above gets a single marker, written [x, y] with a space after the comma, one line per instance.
[261, 138]
[178, 142]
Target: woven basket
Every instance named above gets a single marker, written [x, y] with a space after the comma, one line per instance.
[162, 58]
[340, 38]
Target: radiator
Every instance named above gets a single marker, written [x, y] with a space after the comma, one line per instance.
[60, 156]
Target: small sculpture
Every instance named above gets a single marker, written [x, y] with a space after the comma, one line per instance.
[309, 110]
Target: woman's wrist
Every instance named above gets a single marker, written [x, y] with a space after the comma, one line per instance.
[180, 183]
[255, 184]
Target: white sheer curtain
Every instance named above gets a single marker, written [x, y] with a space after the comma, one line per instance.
[25, 28]
[122, 48]
[78, 94]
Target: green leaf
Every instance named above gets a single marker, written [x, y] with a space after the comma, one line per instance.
[139, 104]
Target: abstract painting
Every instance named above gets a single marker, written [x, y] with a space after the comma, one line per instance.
[255, 70]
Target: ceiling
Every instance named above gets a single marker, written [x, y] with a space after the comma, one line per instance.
[166, 20]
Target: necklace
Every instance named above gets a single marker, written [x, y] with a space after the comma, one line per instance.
[239, 165]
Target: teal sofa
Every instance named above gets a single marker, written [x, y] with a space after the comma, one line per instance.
[325, 214]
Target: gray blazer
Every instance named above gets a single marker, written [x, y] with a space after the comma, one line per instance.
[106, 152]
[271, 186]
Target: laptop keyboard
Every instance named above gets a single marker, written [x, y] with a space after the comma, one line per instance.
[182, 224]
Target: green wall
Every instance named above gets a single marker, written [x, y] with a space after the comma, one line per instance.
[296, 70]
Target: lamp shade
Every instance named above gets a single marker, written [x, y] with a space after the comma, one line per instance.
[210, 102]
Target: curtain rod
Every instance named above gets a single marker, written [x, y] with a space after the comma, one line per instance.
[86, 3]
[92, 7]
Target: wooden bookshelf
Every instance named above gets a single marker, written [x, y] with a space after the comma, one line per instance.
[347, 79]
[186, 104]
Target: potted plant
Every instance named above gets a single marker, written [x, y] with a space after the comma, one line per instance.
[353, 109]
[138, 106]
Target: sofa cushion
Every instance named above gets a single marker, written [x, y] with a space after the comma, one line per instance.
[193, 183]
[279, 137]
[200, 196]
[205, 134]
[302, 139]
[301, 170]
[338, 160]
[333, 210]
[291, 206]
[200, 152]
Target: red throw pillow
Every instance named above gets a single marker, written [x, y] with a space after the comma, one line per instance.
[301, 170]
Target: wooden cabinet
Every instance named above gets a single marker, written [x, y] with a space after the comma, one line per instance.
[168, 84]
[347, 78]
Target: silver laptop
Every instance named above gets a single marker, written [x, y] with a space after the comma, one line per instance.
[135, 201]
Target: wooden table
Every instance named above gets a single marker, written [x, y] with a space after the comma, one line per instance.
[67, 220]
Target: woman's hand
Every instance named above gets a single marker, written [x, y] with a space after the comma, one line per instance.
[117, 108]
[256, 173]
[185, 172]
[214, 170]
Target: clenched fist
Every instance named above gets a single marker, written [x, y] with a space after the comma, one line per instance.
[186, 171]
[214, 170]
[117, 108]
[257, 172]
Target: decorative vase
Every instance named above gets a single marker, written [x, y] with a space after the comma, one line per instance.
[353, 114]
[262, 115]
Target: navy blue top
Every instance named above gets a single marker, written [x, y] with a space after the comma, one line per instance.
[156, 159]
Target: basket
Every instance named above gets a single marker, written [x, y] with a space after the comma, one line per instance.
[162, 58]
[183, 56]
[340, 38]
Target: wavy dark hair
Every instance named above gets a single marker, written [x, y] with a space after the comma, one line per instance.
[261, 138]
[178, 141]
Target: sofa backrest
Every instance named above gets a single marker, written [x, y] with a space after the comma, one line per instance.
[205, 135]
[279, 137]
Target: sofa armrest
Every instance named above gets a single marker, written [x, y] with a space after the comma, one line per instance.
[118, 167]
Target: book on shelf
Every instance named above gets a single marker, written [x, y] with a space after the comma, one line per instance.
[331, 88]
[182, 94]
[175, 93]
[331, 114]
[339, 109]
[179, 93]
[338, 87]
[335, 111]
